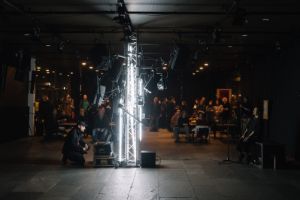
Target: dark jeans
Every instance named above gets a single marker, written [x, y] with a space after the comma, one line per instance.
[154, 123]
[74, 157]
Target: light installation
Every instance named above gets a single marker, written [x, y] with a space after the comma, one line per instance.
[130, 115]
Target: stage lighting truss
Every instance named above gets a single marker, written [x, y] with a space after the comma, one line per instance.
[130, 115]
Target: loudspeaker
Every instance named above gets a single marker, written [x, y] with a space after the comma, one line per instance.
[148, 159]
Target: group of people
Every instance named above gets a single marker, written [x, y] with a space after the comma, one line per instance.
[166, 113]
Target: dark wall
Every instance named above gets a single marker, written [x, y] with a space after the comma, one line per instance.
[13, 108]
[285, 116]
[275, 76]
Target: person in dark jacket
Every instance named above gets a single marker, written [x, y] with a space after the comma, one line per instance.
[74, 146]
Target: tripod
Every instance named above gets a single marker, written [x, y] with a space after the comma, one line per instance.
[228, 160]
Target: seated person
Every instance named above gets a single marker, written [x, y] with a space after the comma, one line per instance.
[74, 146]
[180, 123]
[101, 125]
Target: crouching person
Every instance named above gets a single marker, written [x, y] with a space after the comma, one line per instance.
[74, 146]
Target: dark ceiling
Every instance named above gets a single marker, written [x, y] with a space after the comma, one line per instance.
[60, 33]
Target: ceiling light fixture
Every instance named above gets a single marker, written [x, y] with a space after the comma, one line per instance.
[47, 45]
[201, 68]
[244, 35]
[194, 73]
[206, 64]
[265, 19]
[91, 67]
[229, 46]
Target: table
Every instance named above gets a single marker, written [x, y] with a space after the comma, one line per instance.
[197, 128]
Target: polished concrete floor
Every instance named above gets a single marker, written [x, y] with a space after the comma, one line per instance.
[31, 169]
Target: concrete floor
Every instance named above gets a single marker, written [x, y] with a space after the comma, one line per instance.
[31, 170]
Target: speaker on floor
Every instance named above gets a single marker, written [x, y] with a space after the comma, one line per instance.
[148, 159]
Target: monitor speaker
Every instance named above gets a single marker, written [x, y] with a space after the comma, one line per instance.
[148, 159]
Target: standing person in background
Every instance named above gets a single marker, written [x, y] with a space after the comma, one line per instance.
[46, 113]
[170, 110]
[163, 113]
[84, 104]
[69, 107]
[154, 115]
[245, 113]
[226, 110]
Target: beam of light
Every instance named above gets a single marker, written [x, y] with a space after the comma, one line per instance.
[140, 93]
[120, 131]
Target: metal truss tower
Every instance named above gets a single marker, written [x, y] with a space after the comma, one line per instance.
[130, 115]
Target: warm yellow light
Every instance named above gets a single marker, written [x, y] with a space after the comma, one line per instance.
[206, 64]
[201, 68]
[83, 63]
[165, 68]
[91, 67]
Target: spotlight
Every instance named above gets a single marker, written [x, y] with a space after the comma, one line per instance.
[91, 67]
[265, 20]
[206, 64]
[47, 45]
[194, 73]
[201, 68]
[244, 35]
[229, 46]
[83, 63]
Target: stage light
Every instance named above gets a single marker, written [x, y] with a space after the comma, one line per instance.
[91, 67]
[244, 35]
[229, 46]
[197, 71]
[97, 70]
[83, 63]
[194, 73]
[27, 34]
[60, 73]
[165, 68]
[265, 19]
[71, 73]
[47, 45]
[201, 68]
[206, 64]
[53, 72]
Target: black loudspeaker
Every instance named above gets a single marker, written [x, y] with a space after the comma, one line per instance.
[148, 159]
